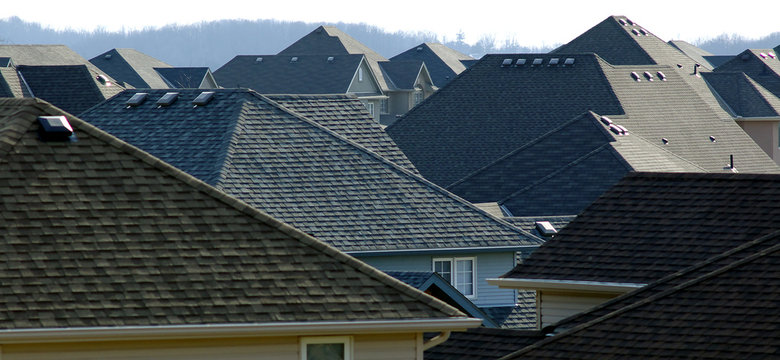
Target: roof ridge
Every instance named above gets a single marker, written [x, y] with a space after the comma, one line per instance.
[401, 169]
[664, 293]
[12, 131]
[257, 214]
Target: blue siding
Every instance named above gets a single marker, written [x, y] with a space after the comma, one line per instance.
[489, 265]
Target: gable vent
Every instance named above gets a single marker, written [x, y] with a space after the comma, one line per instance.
[538, 61]
[648, 76]
[520, 62]
[55, 128]
[635, 76]
[506, 62]
[136, 99]
[167, 99]
[203, 99]
[553, 61]
[661, 76]
[568, 62]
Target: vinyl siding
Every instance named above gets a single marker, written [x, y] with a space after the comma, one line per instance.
[555, 306]
[489, 265]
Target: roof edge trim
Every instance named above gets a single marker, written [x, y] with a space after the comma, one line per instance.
[570, 285]
[480, 249]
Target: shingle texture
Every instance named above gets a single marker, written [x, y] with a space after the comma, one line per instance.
[443, 63]
[99, 233]
[183, 77]
[279, 74]
[301, 172]
[69, 87]
[743, 95]
[765, 70]
[520, 316]
[403, 74]
[132, 67]
[652, 224]
[482, 344]
[725, 308]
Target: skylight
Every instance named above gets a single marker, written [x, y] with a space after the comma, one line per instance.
[54, 128]
[203, 99]
[554, 61]
[136, 99]
[520, 62]
[538, 61]
[168, 99]
[545, 228]
[568, 61]
[506, 62]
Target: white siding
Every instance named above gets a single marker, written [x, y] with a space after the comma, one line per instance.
[386, 347]
[555, 306]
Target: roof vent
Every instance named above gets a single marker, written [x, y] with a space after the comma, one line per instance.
[331, 59]
[545, 228]
[763, 55]
[712, 138]
[136, 99]
[520, 62]
[568, 61]
[108, 57]
[614, 129]
[643, 31]
[506, 62]
[636, 32]
[167, 99]
[553, 61]
[55, 128]
[623, 130]
[103, 80]
[635, 76]
[745, 57]
[419, 48]
[622, 22]
[679, 66]
[772, 55]
[203, 99]
[661, 76]
[648, 76]
[258, 60]
[538, 61]
[630, 22]
[294, 59]
[607, 121]
[665, 141]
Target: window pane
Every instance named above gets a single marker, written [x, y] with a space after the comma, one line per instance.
[443, 268]
[325, 351]
[464, 276]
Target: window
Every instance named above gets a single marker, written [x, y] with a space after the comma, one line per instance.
[370, 108]
[360, 74]
[326, 348]
[418, 97]
[459, 272]
[384, 107]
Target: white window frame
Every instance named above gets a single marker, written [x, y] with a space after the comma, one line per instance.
[360, 74]
[345, 340]
[384, 106]
[417, 97]
[370, 108]
[454, 279]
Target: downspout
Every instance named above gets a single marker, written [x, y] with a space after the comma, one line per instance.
[436, 340]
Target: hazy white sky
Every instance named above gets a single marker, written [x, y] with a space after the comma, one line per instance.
[530, 22]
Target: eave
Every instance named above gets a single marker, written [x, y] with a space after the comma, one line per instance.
[565, 285]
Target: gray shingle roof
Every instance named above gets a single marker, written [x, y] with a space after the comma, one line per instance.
[10, 83]
[743, 95]
[70, 87]
[402, 74]
[183, 77]
[723, 308]
[297, 170]
[443, 63]
[132, 67]
[99, 233]
[482, 344]
[279, 74]
[652, 224]
[765, 70]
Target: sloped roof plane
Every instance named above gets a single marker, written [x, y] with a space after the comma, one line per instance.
[98, 234]
[443, 63]
[297, 170]
[132, 67]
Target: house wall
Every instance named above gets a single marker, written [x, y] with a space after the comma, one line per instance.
[379, 347]
[765, 134]
[367, 86]
[489, 265]
[553, 306]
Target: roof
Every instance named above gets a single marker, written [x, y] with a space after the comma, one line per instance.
[652, 224]
[281, 74]
[347, 116]
[184, 77]
[303, 173]
[743, 95]
[403, 74]
[482, 344]
[71, 87]
[330, 41]
[528, 223]
[10, 83]
[132, 67]
[97, 233]
[520, 316]
[722, 308]
[700, 55]
[764, 69]
[443, 63]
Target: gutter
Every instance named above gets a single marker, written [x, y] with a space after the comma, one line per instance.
[200, 331]
[757, 118]
[436, 340]
[569, 285]
[481, 249]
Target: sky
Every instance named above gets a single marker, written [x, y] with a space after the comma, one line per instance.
[529, 22]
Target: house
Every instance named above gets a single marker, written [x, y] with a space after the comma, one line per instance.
[299, 168]
[54, 73]
[443, 63]
[723, 307]
[141, 71]
[108, 251]
[327, 60]
[647, 226]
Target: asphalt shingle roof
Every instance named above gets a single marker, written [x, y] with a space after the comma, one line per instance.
[99, 233]
[726, 307]
[132, 67]
[482, 344]
[744, 96]
[402, 74]
[765, 69]
[443, 63]
[652, 224]
[279, 74]
[183, 77]
[297, 170]
[70, 87]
